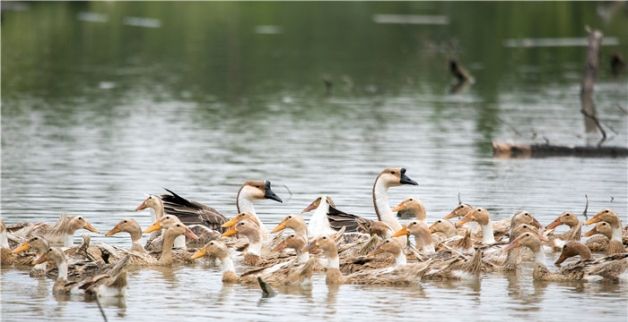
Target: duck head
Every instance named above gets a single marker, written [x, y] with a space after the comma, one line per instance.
[38, 243]
[478, 215]
[606, 215]
[573, 248]
[214, 248]
[566, 218]
[410, 208]
[602, 228]
[460, 211]
[318, 201]
[151, 201]
[125, 225]
[293, 241]
[294, 222]
[257, 189]
[238, 218]
[524, 217]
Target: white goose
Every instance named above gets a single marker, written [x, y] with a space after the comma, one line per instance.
[389, 177]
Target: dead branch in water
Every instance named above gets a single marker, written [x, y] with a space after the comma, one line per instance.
[508, 150]
[587, 106]
[586, 208]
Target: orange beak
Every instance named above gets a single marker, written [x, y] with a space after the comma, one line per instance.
[554, 224]
[89, 227]
[514, 244]
[398, 207]
[401, 232]
[594, 220]
[199, 253]
[21, 248]
[591, 232]
[154, 227]
[231, 222]
[40, 259]
[463, 221]
[281, 246]
[312, 206]
[279, 227]
[230, 232]
[113, 231]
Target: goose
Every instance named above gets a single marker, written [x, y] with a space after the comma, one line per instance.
[615, 245]
[135, 231]
[599, 237]
[410, 208]
[389, 177]
[483, 218]
[61, 233]
[575, 227]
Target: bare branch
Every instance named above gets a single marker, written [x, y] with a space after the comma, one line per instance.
[586, 208]
[459, 200]
[597, 123]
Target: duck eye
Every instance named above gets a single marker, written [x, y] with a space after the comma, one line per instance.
[289, 217]
[324, 237]
[606, 211]
[388, 241]
[178, 225]
[125, 221]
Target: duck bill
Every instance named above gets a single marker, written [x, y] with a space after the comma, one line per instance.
[270, 194]
[313, 205]
[190, 234]
[154, 227]
[401, 232]
[281, 246]
[535, 223]
[113, 231]
[90, 227]
[406, 180]
[231, 222]
[591, 232]
[398, 207]
[560, 259]
[279, 228]
[21, 248]
[230, 232]
[514, 244]
[553, 224]
[594, 220]
[452, 214]
[199, 253]
[463, 221]
[313, 248]
[40, 259]
[142, 206]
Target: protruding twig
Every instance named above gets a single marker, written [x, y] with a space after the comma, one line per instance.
[598, 124]
[267, 291]
[102, 312]
[289, 193]
[586, 208]
[459, 200]
[612, 199]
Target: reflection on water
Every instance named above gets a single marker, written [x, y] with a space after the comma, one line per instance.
[97, 112]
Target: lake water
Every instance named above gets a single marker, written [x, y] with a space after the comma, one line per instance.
[104, 102]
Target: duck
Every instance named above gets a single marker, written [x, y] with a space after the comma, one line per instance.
[253, 233]
[442, 229]
[167, 258]
[61, 233]
[615, 245]
[460, 211]
[7, 258]
[61, 285]
[575, 228]
[483, 218]
[609, 267]
[327, 219]
[410, 208]
[421, 233]
[135, 232]
[401, 273]
[112, 283]
[599, 237]
[39, 244]
[389, 177]
[294, 222]
[523, 217]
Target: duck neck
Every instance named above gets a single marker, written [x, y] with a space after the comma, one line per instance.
[179, 242]
[487, 233]
[136, 246]
[539, 256]
[62, 266]
[332, 262]
[158, 210]
[244, 203]
[4, 240]
[255, 244]
[68, 240]
[616, 233]
[319, 223]
[400, 259]
[227, 264]
[382, 207]
[575, 231]
[166, 249]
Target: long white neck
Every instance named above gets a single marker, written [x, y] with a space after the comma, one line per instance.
[400, 259]
[245, 204]
[136, 246]
[157, 211]
[255, 248]
[68, 240]
[539, 256]
[380, 198]
[227, 264]
[4, 240]
[319, 223]
[487, 233]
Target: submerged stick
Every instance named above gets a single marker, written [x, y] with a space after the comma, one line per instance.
[102, 312]
[267, 291]
[586, 208]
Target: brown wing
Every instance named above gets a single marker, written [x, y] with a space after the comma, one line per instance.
[352, 223]
[192, 212]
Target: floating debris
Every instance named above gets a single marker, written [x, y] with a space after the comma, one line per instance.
[410, 19]
[556, 42]
[92, 17]
[142, 22]
[268, 30]
[106, 85]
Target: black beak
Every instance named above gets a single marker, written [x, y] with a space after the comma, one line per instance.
[405, 179]
[269, 194]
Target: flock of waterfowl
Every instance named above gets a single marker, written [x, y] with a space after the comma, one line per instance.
[345, 247]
